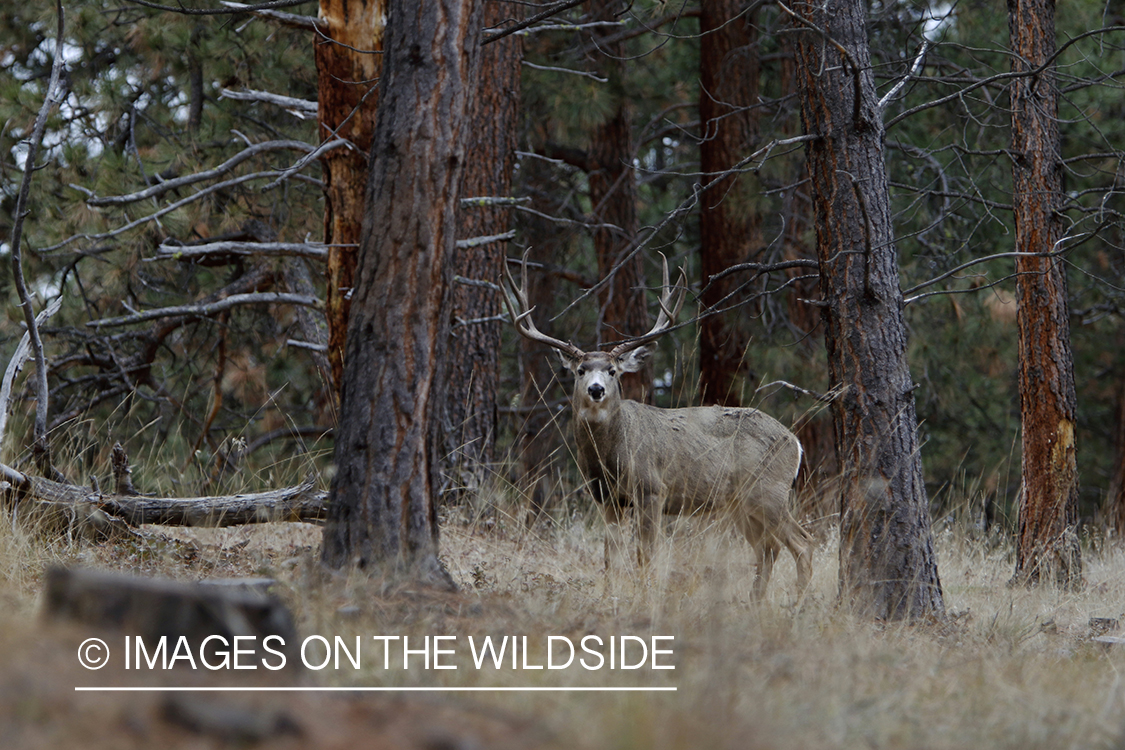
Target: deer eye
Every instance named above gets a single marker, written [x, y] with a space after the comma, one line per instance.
[612, 372]
[581, 371]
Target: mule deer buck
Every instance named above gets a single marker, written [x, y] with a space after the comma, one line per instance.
[738, 462]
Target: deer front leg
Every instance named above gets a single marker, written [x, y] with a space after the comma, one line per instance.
[649, 509]
[614, 515]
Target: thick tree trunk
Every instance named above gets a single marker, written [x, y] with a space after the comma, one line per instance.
[469, 418]
[384, 495]
[613, 195]
[1046, 546]
[728, 221]
[348, 64]
[888, 568]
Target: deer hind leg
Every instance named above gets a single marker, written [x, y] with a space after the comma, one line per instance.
[765, 549]
[798, 541]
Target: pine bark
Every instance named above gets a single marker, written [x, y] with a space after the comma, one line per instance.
[470, 406]
[1046, 544]
[347, 67]
[888, 569]
[728, 223]
[384, 495]
[613, 195]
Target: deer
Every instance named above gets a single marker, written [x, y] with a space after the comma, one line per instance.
[738, 462]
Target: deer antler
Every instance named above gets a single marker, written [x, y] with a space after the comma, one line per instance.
[668, 312]
[521, 310]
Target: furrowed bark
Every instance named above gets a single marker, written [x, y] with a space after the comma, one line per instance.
[888, 569]
[348, 64]
[1046, 544]
[384, 494]
[728, 222]
[469, 411]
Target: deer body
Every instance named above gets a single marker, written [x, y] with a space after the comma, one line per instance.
[738, 462]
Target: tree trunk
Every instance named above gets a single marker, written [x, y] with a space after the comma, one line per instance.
[384, 495]
[469, 419]
[1115, 496]
[728, 221]
[888, 568]
[613, 195]
[1046, 546]
[347, 69]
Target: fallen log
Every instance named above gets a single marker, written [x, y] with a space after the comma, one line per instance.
[301, 503]
[152, 608]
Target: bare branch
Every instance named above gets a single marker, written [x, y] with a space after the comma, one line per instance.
[486, 240]
[305, 23]
[314, 250]
[16, 363]
[53, 96]
[552, 69]
[211, 308]
[550, 11]
[894, 92]
[302, 109]
[220, 11]
[191, 179]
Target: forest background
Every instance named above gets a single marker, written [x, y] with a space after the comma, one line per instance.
[184, 168]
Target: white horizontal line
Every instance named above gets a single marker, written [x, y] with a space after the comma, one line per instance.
[185, 689]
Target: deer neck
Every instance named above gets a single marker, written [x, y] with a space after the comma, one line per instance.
[600, 416]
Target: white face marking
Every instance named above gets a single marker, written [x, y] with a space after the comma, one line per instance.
[595, 383]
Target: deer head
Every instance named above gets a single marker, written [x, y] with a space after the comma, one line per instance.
[597, 384]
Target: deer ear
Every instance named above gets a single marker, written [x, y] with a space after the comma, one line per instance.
[568, 362]
[634, 360]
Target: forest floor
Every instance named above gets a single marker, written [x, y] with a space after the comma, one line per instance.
[1010, 667]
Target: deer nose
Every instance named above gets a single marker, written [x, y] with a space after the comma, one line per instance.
[596, 391]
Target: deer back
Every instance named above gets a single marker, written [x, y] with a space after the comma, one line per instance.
[696, 458]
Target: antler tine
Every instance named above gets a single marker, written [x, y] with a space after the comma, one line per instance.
[668, 312]
[521, 318]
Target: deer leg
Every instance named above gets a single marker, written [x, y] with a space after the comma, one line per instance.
[648, 525]
[797, 542]
[767, 554]
[613, 519]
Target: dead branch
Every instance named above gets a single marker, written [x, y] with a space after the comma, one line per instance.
[53, 95]
[122, 472]
[16, 363]
[302, 109]
[218, 253]
[179, 182]
[300, 503]
[210, 309]
[486, 240]
[292, 20]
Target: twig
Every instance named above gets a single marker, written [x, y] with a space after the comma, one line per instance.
[813, 394]
[552, 10]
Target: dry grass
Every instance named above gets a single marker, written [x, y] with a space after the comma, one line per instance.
[1012, 668]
